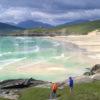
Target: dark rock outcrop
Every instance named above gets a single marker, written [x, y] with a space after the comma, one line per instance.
[96, 68]
[10, 88]
[19, 83]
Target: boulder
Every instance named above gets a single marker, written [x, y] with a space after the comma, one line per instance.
[96, 68]
[20, 83]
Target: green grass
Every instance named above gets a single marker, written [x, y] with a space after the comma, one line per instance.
[89, 91]
[86, 91]
[81, 28]
[77, 29]
[38, 30]
[3, 99]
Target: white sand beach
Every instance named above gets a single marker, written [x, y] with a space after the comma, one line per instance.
[49, 69]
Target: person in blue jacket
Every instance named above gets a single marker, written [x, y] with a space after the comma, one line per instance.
[71, 84]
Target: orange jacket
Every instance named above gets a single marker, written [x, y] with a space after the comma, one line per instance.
[54, 87]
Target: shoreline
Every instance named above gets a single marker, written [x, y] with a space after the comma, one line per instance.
[86, 59]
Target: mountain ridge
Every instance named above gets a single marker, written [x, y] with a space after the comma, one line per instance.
[6, 28]
[33, 24]
[65, 29]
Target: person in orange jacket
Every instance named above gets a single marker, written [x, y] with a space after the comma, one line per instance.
[54, 87]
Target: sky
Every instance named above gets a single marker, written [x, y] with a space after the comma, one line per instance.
[54, 12]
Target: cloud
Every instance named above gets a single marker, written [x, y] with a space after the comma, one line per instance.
[48, 11]
[20, 14]
[53, 5]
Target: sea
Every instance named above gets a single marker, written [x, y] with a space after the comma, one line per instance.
[40, 58]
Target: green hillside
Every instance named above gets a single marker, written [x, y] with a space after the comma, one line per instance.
[84, 91]
[75, 29]
[6, 29]
[82, 28]
[87, 91]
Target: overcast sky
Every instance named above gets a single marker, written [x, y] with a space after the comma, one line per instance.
[49, 11]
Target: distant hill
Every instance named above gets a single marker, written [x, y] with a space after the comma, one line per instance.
[80, 28]
[5, 29]
[33, 24]
[75, 22]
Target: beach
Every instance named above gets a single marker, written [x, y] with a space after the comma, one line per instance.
[65, 56]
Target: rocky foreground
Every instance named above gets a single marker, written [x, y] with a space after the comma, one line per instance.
[10, 88]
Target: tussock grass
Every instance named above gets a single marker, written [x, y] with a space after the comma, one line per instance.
[87, 91]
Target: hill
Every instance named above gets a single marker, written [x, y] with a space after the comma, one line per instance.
[75, 22]
[75, 29]
[65, 29]
[5, 29]
[33, 24]
[80, 28]
[85, 91]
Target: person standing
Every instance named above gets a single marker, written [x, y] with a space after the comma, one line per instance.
[54, 88]
[71, 84]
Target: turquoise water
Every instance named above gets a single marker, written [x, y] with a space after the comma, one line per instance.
[15, 50]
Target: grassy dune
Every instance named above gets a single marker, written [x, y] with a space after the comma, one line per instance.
[81, 28]
[87, 91]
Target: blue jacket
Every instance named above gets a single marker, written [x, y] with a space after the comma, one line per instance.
[71, 83]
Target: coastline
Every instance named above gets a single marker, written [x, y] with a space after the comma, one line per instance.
[50, 69]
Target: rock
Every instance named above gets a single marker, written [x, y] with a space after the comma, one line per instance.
[10, 88]
[87, 73]
[20, 83]
[96, 68]
[9, 94]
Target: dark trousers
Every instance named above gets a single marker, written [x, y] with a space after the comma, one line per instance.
[53, 95]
